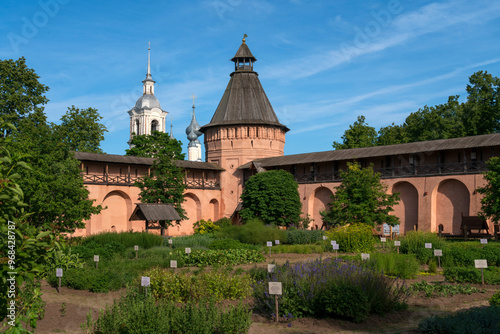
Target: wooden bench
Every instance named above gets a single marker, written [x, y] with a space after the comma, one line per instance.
[470, 223]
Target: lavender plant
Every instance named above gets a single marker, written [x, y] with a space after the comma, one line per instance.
[311, 289]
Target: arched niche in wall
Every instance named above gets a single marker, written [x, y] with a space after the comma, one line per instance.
[117, 208]
[450, 201]
[319, 202]
[192, 206]
[407, 208]
[214, 209]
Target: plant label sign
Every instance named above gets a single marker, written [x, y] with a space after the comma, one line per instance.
[428, 245]
[484, 241]
[383, 239]
[397, 243]
[269, 244]
[145, 281]
[481, 264]
[438, 252]
[173, 264]
[271, 268]
[333, 242]
[275, 288]
[170, 241]
[136, 248]
[188, 250]
[335, 247]
[324, 237]
[59, 272]
[365, 256]
[276, 242]
[96, 258]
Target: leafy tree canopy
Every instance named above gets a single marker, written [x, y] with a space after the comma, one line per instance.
[81, 130]
[21, 93]
[479, 115]
[150, 146]
[273, 197]
[165, 183]
[360, 134]
[490, 203]
[361, 198]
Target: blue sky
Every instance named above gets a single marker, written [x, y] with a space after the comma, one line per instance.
[321, 63]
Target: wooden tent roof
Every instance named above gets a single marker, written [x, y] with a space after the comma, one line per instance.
[154, 212]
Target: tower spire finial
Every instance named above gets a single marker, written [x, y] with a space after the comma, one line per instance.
[149, 60]
[244, 38]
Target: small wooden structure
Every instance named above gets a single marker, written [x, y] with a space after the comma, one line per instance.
[470, 223]
[155, 212]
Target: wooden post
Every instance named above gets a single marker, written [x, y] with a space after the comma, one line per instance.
[276, 303]
[465, 232]
[495, 231]
[59, 290]
[482, 276]
[390, 231]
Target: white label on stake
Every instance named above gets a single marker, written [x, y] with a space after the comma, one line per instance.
[275, 288]
[397, 243]
[428, 245]
[188, 250]
[59, 272]
[438, 252]
[173, 264]
[276, 242]
[333, 242]
[324, 237]
[269, 244]
[481, 264]
[271, 268]
[136, 248]
[365, 256]
[335, 247]
[96, 258]
[484, 241]
[170, 241]
[145, 281]
[383, 239]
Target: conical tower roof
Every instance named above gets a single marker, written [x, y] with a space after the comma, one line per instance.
[244, 101]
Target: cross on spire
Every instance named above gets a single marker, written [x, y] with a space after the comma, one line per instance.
[149, 60]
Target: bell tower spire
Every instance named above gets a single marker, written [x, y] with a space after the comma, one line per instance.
[149, 83]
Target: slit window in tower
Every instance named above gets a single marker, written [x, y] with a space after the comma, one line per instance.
[154, 125]
[137, 127]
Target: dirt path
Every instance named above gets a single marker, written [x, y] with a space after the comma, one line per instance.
[67, 310]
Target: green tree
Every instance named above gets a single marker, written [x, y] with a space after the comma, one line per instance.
[165, 183]
[81, 130]
[390, 135]
[490, 203]
[359, 134]
[20, 91]
[273, 197]
[481, 112]
[150, 145]
[53, 188]
[25, 248]
[361, 198]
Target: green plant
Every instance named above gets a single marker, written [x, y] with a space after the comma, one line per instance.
[414, 242]
[299, 249]
[438, 290]
[495, 299]
[195, 240]
[63, 309]
[128, 239]
[352, 238]
[136, 313]
[472, 275]
[253, 232]
[432, 266]
[205, 226]
[399, 265]
[345, 300]
[476, 320]
[222, 244]
[296, 236]
[223, 257]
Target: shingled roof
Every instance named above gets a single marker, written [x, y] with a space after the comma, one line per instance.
[377, 151]
[154, 212]
[131, 160]
[244, 100]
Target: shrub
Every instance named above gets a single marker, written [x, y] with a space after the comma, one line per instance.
[136, 313]
[166, 285]
[345, 300]
[105, 251]
[223, 257]
[399, 265]
[195, 240]
[438, 290]
[205, 226]
[222, 244]
[472, 275]
[304, 284]
[353, 238]
[127, 239]
[463, 254]
[476, 320]
[298, 249]
[295, 237]
[414, 243]
[495, 299]
[253, 232]
[223, 222]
